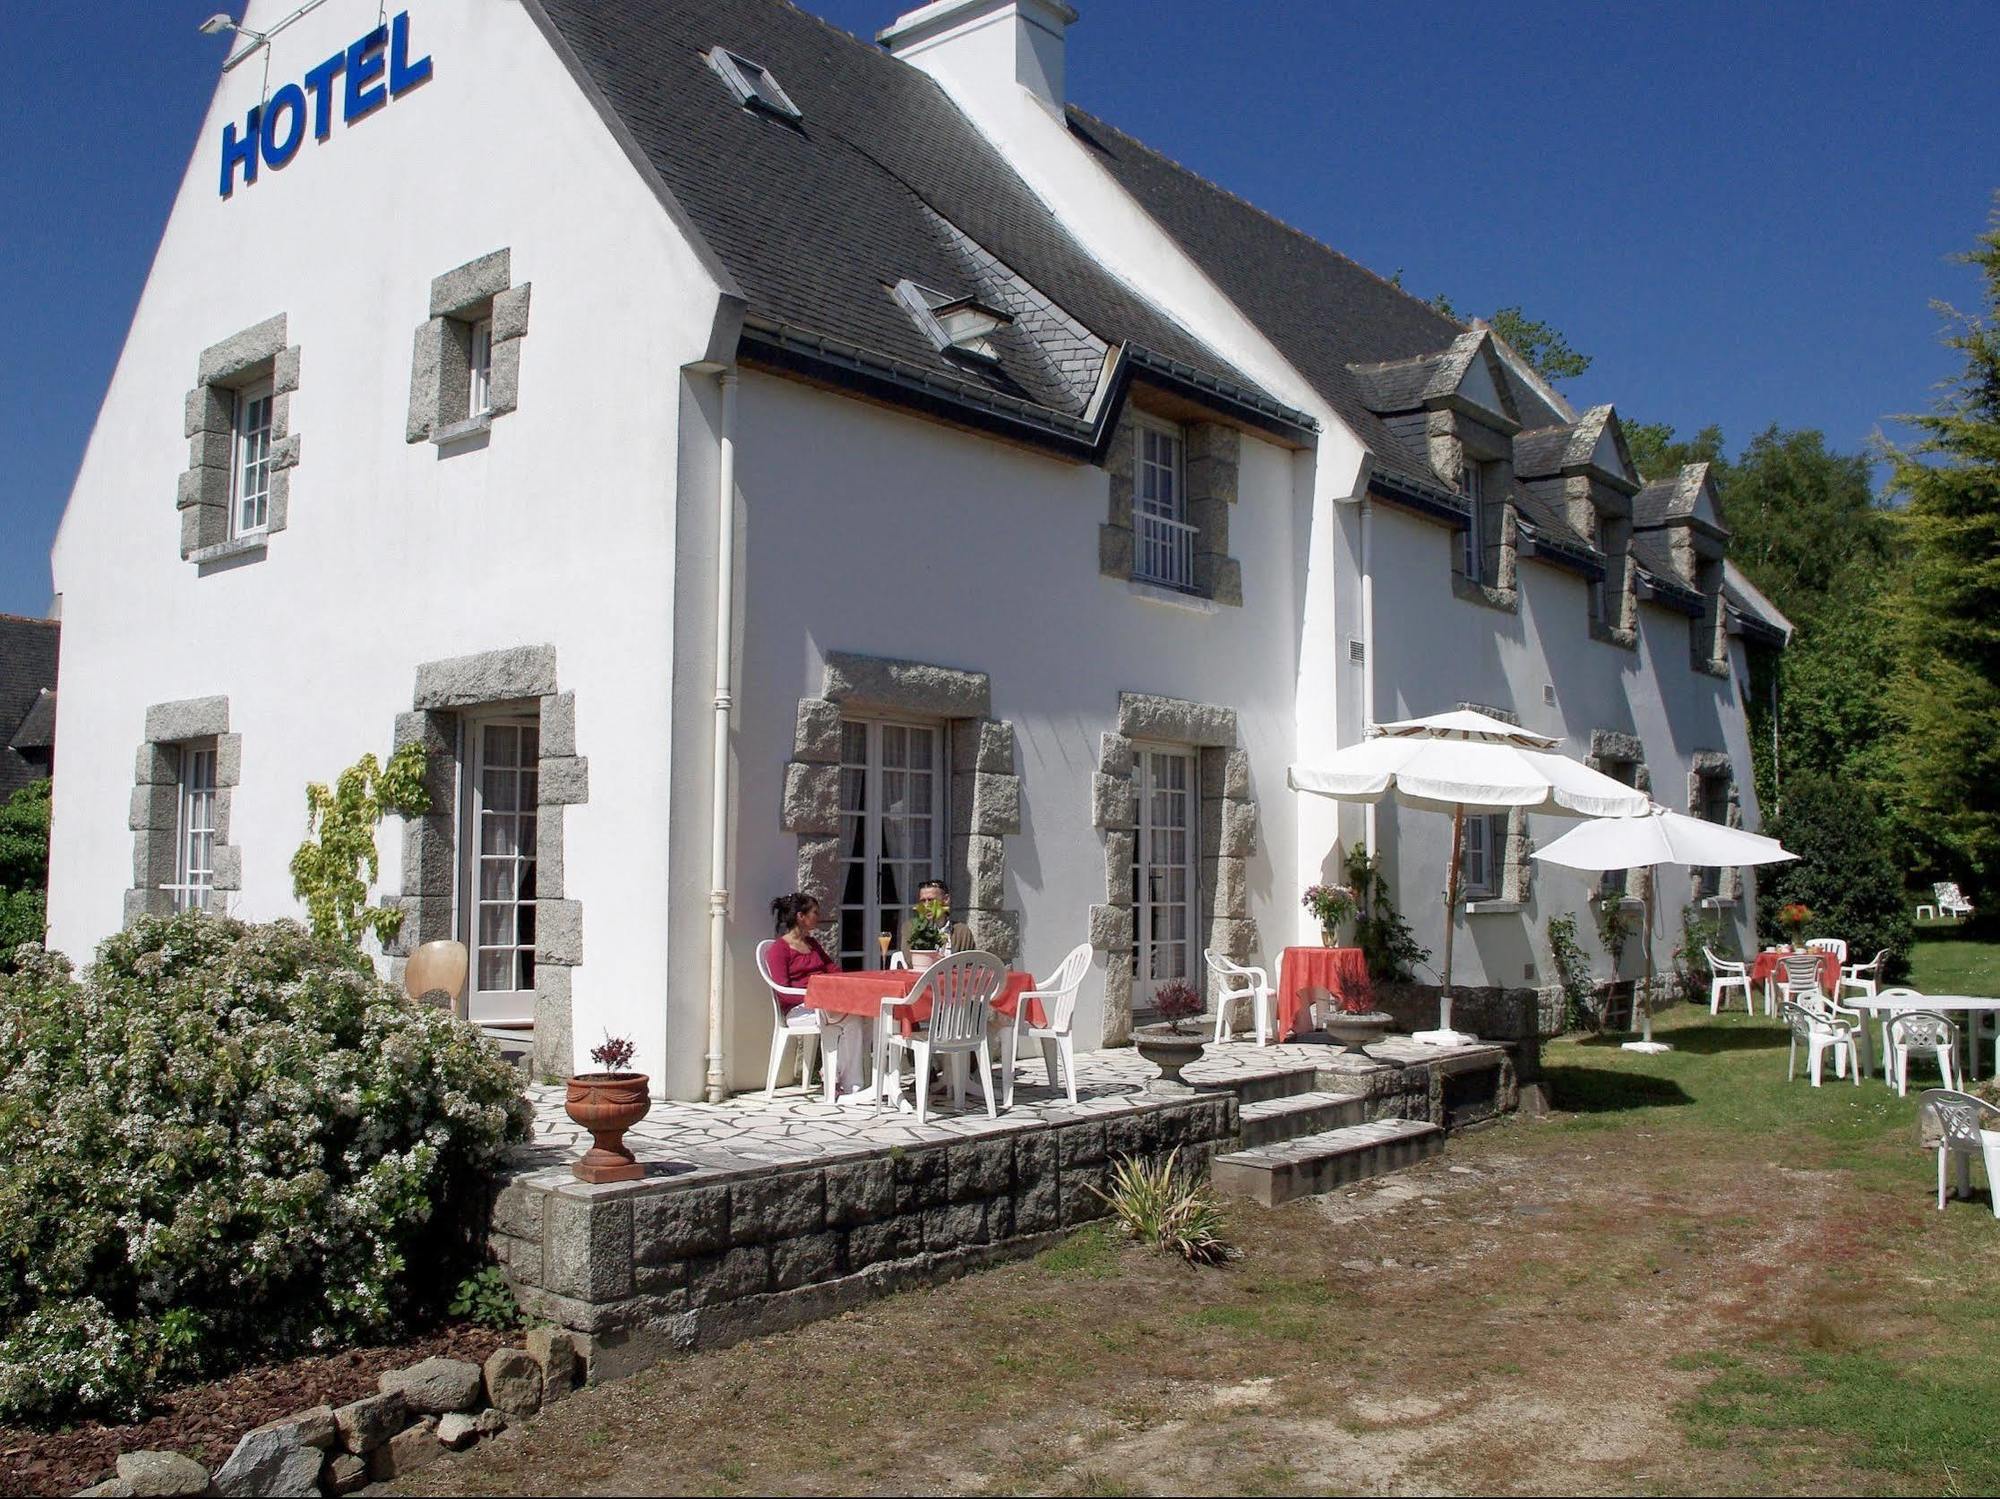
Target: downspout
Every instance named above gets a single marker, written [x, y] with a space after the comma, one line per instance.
[1367, 652]
[715, 1087]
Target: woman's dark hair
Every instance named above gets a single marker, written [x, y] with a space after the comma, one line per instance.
[787, 909]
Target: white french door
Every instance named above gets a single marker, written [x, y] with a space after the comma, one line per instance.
[892, 828]
[497, 867]
[1164, 895]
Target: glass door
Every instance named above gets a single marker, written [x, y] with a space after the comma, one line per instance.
[891, 832]
[497, 885]
[1163, 871]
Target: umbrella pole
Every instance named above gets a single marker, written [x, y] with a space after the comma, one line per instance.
[1646, 1042]
[1444, 1035]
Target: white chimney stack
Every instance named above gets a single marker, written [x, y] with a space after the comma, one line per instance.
[984, 48]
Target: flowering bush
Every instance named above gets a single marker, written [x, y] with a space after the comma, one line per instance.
[226, 1140]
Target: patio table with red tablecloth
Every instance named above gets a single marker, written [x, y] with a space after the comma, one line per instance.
[1769, 965]
[862, 994]
[1341, 971]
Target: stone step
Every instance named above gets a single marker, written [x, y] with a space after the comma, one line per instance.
[1311, 1164]
[1276, 1119]
[1262, 1087]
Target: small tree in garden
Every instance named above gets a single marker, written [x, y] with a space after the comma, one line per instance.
[1844, 873]
[24, 868]
[332, 872]
[226, 1142]
[1384, 938]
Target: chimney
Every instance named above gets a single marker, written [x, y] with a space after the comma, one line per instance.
[984, 48]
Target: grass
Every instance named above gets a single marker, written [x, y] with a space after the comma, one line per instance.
[1954, 964]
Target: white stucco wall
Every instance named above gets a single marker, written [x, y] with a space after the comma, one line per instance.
[560, 530]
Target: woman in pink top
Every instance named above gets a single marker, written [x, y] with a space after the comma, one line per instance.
[795, 957]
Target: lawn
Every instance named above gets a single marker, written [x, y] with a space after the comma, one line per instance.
[1946, 962]
[1693, 1277]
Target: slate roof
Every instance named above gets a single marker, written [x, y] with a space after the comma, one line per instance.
[1323, 311]
[818, 220]
[28, 650]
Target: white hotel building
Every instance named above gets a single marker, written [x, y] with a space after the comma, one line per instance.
[585, 387]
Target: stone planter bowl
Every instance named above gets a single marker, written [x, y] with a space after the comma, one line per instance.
[1169, 1051]
[607, 1104]
[923, 959]
[1354, 1032]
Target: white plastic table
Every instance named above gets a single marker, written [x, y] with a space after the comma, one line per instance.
[1962, 1006]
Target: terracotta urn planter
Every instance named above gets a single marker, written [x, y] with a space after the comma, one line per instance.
[607, 1104]
[923, 958]
[1170, 1051]
[1354, 1032]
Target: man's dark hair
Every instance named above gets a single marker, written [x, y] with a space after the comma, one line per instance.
[935, 884]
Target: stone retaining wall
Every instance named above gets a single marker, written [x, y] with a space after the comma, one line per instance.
[638, 1270]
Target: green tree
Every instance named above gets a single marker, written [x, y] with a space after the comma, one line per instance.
[1946, 705]
[1548, 353]
[24, 867]
[1845, 874]
[1657, 456]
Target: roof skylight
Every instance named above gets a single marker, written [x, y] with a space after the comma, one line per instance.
[960, 325]
[752, 83]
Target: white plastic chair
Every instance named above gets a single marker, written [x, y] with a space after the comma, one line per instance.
[1057, 996]
[806, 1035]
[1798, 978]
[1862, 978]
[1724, 976]
[897, 960]
[1821, 1034]
[1950, 1122]
[1923, 1030]
[1834, 945]
[1951, 904]
[961, 989]
[1240, 981]
[1899, 995]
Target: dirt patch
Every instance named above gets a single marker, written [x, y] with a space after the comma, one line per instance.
[204, 1421]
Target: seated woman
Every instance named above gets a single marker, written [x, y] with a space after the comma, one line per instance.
[796, 957]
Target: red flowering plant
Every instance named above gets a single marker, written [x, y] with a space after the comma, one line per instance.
[614, 1054]
[1793, 916]
[1177, 1003]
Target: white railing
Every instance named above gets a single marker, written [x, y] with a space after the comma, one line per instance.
[1164, 551]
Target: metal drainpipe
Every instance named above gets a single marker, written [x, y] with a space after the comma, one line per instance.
[1367, 652]
[715, 1086]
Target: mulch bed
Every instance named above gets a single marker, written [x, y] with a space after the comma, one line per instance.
[204, 1421]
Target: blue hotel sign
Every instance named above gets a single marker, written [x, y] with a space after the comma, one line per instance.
[365, 76]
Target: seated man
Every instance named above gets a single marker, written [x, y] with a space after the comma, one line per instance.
[958, 936]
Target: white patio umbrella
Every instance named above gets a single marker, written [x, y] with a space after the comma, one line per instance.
[1658, 837]
[1455, 762]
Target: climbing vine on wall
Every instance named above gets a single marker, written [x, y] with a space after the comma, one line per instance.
[335, 866]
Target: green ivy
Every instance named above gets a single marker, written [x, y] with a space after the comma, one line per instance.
[1700, 929]
[1391, 948]
[332, 872]
[1613, 928]
[1572, 966]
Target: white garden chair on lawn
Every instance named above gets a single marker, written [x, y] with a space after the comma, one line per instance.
[1950, 1123]
[1951, 904]
[1922, 1030]
[1862, 978]
[1820, 1034]
[961, 989]
[1725, 976]
[1835, 945]
[1909, 999]
[1798, 979]
[806, 1032]
[1240, 981]
[1057, 997]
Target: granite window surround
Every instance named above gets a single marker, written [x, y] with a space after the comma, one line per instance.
[1705, 766]
[156, 797]
[523, 677]
[1226, 818]
[1455, 442]
[1211, 456]
[984, 800]
[204, 492]
[441, 365]
[1610, 748]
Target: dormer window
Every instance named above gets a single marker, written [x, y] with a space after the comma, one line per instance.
[957, 325]
[752, 84]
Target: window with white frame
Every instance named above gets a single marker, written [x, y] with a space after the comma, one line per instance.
[1163, 550]
[481, 401]
[1472, 556]
[892, 832]
[194, 829]
[1165, 895]
[753, 84]
[497, 900]
[1481, 859]
[250, 461]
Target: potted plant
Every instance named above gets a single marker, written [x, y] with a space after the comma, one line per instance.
[930, 923]
[1353, 1021]
[607, 1104]
[1331, 905]
[1793, 916]
[1171, 1046]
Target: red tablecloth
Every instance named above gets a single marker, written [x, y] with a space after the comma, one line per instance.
[862, 994]
[1343, 971]
[1768, 964]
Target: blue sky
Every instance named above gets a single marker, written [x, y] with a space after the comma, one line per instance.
[1742, 212]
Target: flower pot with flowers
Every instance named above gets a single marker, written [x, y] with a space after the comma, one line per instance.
[1172, 1045]
[930, 927]
[1353, 1020]
[1331, 905]
[1794, 916]
[607, 1104]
